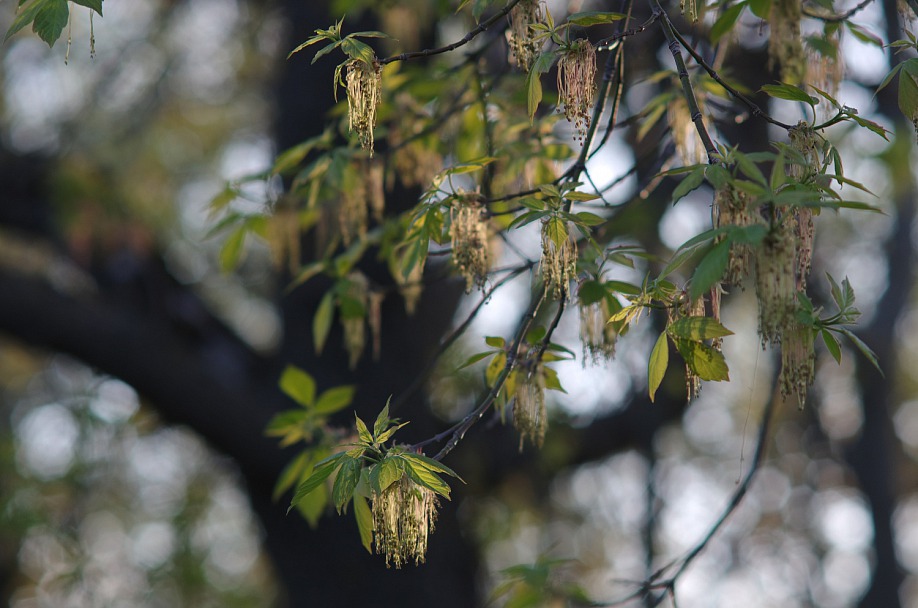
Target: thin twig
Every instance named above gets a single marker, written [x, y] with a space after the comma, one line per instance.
[606, 43]
[458, 430]
[656, 582]
[484, 25]
[830, 18]
[755, 109]
[697, 118]
[422, 377]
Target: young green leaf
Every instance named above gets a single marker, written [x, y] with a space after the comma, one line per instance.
[495, 341]
[588, 18]
[710, 270]
[364, 518]
[423, 476]
[298, 385]
[790, 93]
[334, 399]
[656, 368]
[291, 473]
[319, 474]
[430, 463]
[705, 362]
[865, 350]
[382, 420]
[345, 482]
[385, 474]
[322, 321]
[697, 328]
[831, 344]
[689, 183]
[362, 430]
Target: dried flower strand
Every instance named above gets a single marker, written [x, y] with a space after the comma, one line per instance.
[363, 81]
[529, 415]
[469, 235]
[520, 38]
[404, 515]
[577, 84]
[558, 263]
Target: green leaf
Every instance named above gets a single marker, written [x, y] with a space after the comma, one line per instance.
[581, 197]
[886, 79]
[495, 341]
[725, 22]
[322, 322]
[26, 15]
[364, 518]
[472, 165]
[495, 367]
[778, 175]
[51, 21]
[591, 292]
[710, 270]
[95, 5]
[318, 477]
[556, 230]
[717, 176]
[362, 430]
[387, 434]
[831, 344]
[298, 385]
[475, 359]
[760, 8]
[697, 328]
[334, 399]
[423, 476]
[705, 362]
[865, 350]
[290, 474]
[385, 474]
[430, 463]
[749, 169]
[863, 35]
[588, 219]
[656, 367]
[231, 252]
[533, 92]
[552, 382]
[312, 506]
[382, 420]
[345, 482]
[358, 50]
[370, 34]
[691, 181]
[588, 18]
[908, 89]
[790, 93]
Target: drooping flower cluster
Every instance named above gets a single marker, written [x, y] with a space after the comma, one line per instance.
[577, 84]
[776, 283]
[685, 136]
[353, 316]
[825, 64]
[364, 82]
[558, 262]
[404, 515]
[687, 308]
[469, 234]
[523, 46]
[798, 361]
[352, 208]
[731, 208]
[596, 333]
[785, 45]
[529, 416]
[284, 238]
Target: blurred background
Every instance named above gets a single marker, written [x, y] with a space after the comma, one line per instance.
[136, 377]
